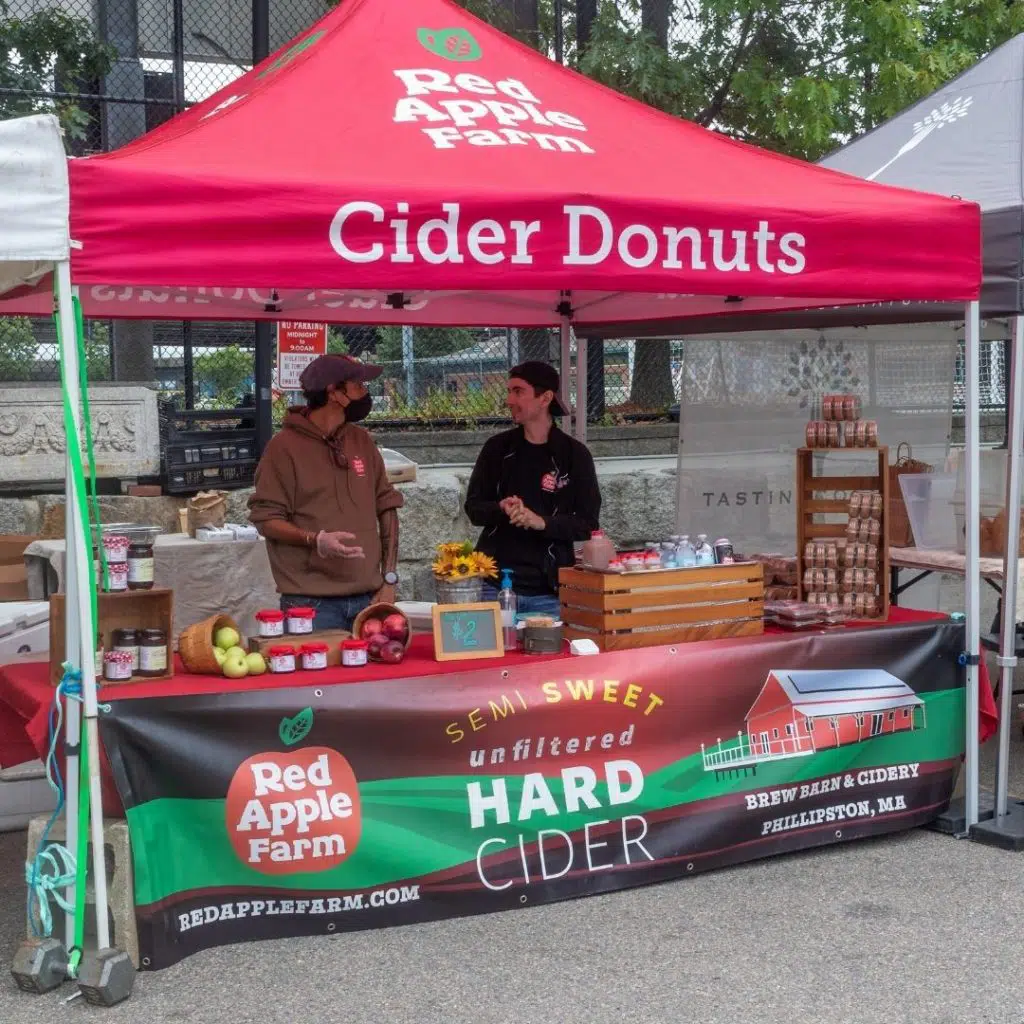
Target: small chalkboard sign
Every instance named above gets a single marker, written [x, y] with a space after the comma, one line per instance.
[463, 631]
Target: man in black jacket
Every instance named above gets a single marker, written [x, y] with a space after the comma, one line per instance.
[534, 491]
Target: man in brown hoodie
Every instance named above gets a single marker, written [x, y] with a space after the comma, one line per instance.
[323, 500]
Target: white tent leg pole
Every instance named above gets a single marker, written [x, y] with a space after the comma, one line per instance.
[81, 600]
[72, 709]
[565, 353]
[1008, 638]
[581, 389]
[973, 580]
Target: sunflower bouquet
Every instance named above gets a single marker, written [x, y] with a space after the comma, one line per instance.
[458, 561]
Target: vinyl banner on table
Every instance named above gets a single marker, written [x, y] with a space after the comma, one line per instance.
[299, 811]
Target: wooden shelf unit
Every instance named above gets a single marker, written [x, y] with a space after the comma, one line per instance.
[809, 506]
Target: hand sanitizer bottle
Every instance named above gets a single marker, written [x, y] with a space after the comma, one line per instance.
[508, 602]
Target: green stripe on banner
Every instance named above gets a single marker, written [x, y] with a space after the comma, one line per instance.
[415, 826]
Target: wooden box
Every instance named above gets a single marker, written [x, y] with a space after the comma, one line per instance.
[13, 576]
[138, 609]
[331, 637]
[829, 496]
[662, 606]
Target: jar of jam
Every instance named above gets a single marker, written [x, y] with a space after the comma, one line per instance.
[270, 622]
[117, 666]
[299, 620]
[354, 653]
[282, 658]
[140, 565]
[314, 655]
[117, 573]
[127, 640]
[152, 653]
[116, 547]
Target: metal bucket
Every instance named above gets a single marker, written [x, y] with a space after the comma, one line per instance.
[459, 591]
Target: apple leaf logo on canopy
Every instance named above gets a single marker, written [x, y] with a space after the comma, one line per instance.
[450, 43]
[292, 730]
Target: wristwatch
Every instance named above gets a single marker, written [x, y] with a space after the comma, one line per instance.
[390, 578]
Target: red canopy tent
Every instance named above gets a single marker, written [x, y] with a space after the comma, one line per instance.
[407, 163]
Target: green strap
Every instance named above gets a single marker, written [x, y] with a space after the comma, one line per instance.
[74, 447]
[83, 375]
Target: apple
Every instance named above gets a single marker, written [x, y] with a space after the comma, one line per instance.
[370, 627]
[219, 655]
[226, 637]
[235, 665]
[392, 652]
[255, 663]
[235, 652]
[375, 643]
[395, 626]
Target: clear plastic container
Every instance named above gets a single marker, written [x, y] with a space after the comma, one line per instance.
[929, 501]
[598, 551]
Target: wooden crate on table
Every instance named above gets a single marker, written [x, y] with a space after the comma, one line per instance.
[668, 606]
[810, 507]
[123, 609]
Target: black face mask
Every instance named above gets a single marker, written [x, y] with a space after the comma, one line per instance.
[358, 409]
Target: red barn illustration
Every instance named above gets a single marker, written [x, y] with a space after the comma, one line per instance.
[800, 712]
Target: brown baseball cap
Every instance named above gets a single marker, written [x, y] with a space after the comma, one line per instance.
[335, 369]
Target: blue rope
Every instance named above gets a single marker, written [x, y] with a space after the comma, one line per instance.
[52, 869]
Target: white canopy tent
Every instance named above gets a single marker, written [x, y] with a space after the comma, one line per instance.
[34, 241]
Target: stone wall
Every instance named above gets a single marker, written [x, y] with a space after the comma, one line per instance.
[461, 447]
[638, 505]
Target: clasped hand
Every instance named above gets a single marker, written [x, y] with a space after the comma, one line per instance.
[520, 515]
[332, 545]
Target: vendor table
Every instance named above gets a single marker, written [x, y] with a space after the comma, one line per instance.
[275, 805]
[207, 577]
[951, 564]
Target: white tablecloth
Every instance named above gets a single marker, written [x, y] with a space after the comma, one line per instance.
[207, 577]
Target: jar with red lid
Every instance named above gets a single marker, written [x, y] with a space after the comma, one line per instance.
[117, 666]
[282, 658]
[270, 622]
[117, 576]
[314, 655]
[299, 620]
[354, 653]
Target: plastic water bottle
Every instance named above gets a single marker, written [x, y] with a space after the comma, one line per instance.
[686, 557]
[508, 603]
[705, 553]
[668, 555]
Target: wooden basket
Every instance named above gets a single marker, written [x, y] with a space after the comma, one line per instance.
[195, 645]
[381, 611]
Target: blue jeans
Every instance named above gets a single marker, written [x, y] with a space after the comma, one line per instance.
[331, 612]
[528, 604]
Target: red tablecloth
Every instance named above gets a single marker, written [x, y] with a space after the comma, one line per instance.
[26, 696]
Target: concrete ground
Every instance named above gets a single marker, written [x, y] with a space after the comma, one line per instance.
[916, 927]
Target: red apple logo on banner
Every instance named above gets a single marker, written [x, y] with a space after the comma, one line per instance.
[295, 810]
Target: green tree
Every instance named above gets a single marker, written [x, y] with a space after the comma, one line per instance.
[792, 75]
[18, 348]
[45, 51]
[223, 376]
[428, 342]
